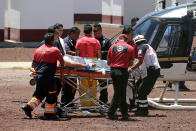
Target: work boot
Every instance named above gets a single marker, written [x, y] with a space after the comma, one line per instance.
[50, 116]
[112, 117]
[27, 109]
[132, 104]
[141, 112]
[125, 117]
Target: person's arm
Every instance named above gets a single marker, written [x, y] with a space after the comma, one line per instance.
[70, 63]
[77, 52]
[108, 61]
[99, 54]
[136, 65]
[106, 48]
[70, 52]
[131, 63]
[109, 57]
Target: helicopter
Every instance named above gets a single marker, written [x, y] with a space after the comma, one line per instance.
[170, 33]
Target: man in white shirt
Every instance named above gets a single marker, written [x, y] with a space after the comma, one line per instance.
[150, 71]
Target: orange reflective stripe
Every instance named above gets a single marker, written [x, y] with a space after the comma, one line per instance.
[50, 107]
[52, 92]
[50, 104]
[36, 99]
[34, 103]
[30, 106]
[49, 112]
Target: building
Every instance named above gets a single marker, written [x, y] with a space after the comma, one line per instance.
[27, 20]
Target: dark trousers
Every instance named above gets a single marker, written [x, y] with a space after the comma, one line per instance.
[57, 86]
[104, 93]
[67, 93]
[44, 87]
[145, 87]
[119, 78]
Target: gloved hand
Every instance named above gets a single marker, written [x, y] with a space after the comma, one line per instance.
[89, 65]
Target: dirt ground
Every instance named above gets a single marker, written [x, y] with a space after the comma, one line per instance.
[15, 91]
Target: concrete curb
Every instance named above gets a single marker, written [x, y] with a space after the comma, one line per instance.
[15, 65]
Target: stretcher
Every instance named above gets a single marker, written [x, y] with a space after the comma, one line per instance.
[79, 74]
[101, 72]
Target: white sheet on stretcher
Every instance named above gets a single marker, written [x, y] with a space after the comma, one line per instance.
[102, 66]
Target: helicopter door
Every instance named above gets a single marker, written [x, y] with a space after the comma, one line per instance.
[170, 52]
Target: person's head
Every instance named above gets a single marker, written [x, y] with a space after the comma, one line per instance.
[134, 21]
[59, 28]
[97, 29]
[139, 40]
[129, 32]
[88, 29]
[123, 37]
[74, 33]
[54, 30]
[49, 38]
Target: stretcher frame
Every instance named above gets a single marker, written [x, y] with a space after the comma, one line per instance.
[66, 75]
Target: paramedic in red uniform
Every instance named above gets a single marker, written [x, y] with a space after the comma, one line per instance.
[120, 57]
[88, 46]
[45, 64]
[131, 42]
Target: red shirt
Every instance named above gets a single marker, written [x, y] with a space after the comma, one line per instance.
[121, 54]
[88, 46]
[45, 58]
[132, 43]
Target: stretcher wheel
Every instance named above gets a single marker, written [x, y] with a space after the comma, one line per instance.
[32, 82]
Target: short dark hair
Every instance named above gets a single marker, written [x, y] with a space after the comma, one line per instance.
[51, 29]
[87, 29]
[97, 26]
[134, 20]
[58, 25]
[48, 37]
[74, 30]
[127, 30]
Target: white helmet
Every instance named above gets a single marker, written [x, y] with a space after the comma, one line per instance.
[139, 38]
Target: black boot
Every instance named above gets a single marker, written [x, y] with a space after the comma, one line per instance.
[50, 116]
[132, 104]
[27, 109]
[125, 117]
[142, 112]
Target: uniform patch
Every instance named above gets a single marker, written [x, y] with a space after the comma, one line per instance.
[140, 52]
[120, 48]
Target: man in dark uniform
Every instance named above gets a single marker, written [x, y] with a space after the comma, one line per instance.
[68, 93]
[70, 41]
[105, 45]
[55, 30]
[45, 64]
[120, 57]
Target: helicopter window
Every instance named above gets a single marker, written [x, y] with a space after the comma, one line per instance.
[169, 43]
[147, 28]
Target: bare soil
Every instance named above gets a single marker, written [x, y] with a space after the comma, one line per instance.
[15, 91]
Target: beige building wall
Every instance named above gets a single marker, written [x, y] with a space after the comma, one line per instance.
[26, 20]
